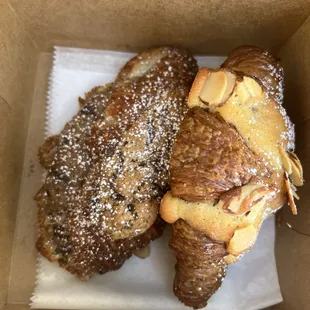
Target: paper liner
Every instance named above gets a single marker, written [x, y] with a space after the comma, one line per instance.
[251, 283]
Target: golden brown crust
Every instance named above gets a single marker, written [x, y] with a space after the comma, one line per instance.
[211, 88]
[244, 103]
[92, 108]
[216, 158]
[156, 74]
[209, 158]
[47, 151]
[193, 97]
[110, 254]
[68, 149]
[200, 266]
[258, 63]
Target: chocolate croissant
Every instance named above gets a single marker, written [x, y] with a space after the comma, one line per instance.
[232, 165]
[108, 169]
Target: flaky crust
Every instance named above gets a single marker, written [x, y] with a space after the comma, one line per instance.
[221, 175]
[56, 148]
[107, 174]
[156, 74]
[209, 158]
[255, 62]
[99, 255]
[200, 266]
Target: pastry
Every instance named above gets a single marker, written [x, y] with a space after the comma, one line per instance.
[108, 169]
[232, 165]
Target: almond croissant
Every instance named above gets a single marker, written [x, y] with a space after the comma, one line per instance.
[232, 165]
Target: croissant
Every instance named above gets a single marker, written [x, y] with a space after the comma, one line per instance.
[108, 169]
[231, 166]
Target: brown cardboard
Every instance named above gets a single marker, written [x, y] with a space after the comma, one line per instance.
[296, 61]
[22, 275]
[292, 249]
[212, 27]
[17, 71]
[29, 28]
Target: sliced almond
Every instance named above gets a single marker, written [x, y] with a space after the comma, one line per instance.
[243, 93]
[297, 162]
[261, 193]
[231, 83]
[252, 87]
[242, 240]
[241, 199]
[230, 201]
[286, 162]
[200, 79]
[293, 187]
[292, 166]
[297, 172]
[295, 194]
[214, 88]
[297, 179]
[211, 88]
[290, 195]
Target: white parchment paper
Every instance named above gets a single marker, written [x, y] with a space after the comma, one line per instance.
[250, 284]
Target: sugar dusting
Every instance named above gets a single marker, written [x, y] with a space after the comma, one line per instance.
[262, 66]
[274, 85]
[110, 167]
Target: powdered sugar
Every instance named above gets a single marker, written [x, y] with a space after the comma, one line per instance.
[105, 181]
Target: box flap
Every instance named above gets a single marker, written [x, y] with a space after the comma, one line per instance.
[206, 27]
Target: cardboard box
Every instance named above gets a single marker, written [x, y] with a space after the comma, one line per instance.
[29, 29]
